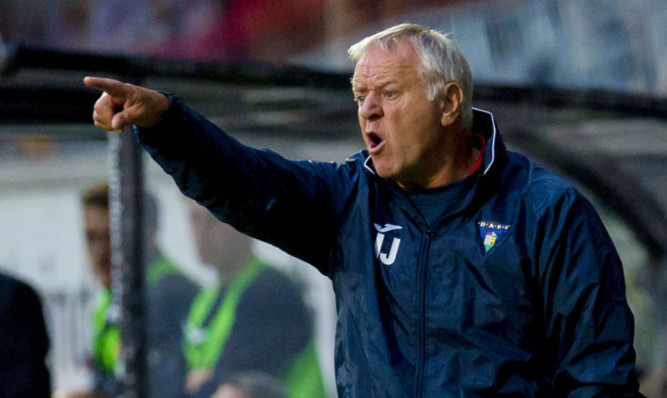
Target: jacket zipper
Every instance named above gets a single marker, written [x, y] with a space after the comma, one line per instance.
[423, 269]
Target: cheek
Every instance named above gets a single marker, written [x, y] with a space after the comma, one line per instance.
[420, 131]
[362, 124]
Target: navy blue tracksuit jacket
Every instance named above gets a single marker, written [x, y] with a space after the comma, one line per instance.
[517, 291]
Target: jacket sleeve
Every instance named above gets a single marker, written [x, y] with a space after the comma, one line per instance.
[290, 204]
[589, 326]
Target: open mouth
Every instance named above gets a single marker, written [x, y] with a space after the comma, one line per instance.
[373, 141]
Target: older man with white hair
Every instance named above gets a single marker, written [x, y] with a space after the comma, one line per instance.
[459, 268]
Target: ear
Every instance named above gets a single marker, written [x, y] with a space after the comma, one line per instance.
[452, 97]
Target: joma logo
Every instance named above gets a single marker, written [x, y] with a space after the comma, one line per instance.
[386, 258]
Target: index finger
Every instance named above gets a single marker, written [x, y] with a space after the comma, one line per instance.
[110, 86]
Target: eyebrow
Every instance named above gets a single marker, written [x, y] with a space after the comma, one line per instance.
[380, 86]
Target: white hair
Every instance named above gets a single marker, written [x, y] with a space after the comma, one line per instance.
[441, 60]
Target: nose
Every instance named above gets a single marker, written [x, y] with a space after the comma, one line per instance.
[371, 108]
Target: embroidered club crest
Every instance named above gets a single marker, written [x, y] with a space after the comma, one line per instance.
[491, 232]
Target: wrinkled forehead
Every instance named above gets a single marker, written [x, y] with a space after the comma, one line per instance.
[399, 62]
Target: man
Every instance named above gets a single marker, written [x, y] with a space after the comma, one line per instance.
[459, 268]
[254, 320]
[169, 296]
[24, 342]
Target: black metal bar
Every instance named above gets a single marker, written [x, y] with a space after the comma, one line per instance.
[138, 67]
[20, 105]
[621, 103]
[128, 287]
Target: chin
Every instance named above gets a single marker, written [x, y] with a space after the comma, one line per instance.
[394, 176]
[384, 171]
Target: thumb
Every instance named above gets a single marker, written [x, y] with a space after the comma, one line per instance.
[119, 121]
[133, 111]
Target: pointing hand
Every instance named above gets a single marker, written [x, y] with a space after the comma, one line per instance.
[124, 104]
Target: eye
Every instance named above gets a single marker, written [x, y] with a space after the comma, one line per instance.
[389, 94]
[359, 99]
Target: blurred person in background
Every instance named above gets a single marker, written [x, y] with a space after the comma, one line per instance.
[251, 385]
[255, 319]
[170, 294]
[24, 342]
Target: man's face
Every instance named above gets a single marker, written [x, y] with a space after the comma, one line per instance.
[99, 242]
[218, 244]
[400, 126]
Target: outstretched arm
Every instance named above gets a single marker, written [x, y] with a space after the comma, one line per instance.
[258, 192]
[123, 104]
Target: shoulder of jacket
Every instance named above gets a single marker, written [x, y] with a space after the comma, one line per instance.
[544, 188]
[549, 191]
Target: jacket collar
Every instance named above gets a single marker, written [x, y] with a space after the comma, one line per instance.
[485, 124]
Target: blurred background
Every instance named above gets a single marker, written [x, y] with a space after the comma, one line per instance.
[579, 86]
